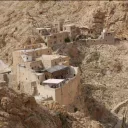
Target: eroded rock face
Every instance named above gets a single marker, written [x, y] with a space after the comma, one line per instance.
[80, 121]
[21, 111]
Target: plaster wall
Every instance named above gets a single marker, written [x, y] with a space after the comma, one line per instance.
[46, 63]
[28, 87]
[55, 61]
[46, 91]
[108, 37]
[25, 75]
[40, 77]
[74, 70]
[27, 58]
[52, 60]
[66, 94]
[57, 38]
[47, 51]
[38, 52]
[16, 60]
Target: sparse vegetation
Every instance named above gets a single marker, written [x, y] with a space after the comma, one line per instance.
[67, 40]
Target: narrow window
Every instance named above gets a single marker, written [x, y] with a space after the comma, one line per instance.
[46, 78]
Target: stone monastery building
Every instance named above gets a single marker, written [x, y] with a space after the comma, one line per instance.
[40, 73]
[58, 33]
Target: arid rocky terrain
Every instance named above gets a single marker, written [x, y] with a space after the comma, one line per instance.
[21, 111]
[104, 71]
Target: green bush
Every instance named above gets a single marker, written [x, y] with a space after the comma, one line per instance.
[67, 40]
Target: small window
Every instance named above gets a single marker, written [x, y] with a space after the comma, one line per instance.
[18, 87]
[27, 58]
[74, 74]
[46, 78]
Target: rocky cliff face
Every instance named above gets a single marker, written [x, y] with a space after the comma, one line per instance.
[103, 67]
[18, 20]
[21, 111]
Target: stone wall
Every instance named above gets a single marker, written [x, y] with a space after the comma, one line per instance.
[65, 95]
[57, 38]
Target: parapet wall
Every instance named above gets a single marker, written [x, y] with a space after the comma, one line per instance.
[97, 41]
[32, 46]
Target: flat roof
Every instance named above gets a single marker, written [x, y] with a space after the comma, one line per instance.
[54, 56]
[43, 28]
[56, 68]
[69, 24]
[53, 81]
